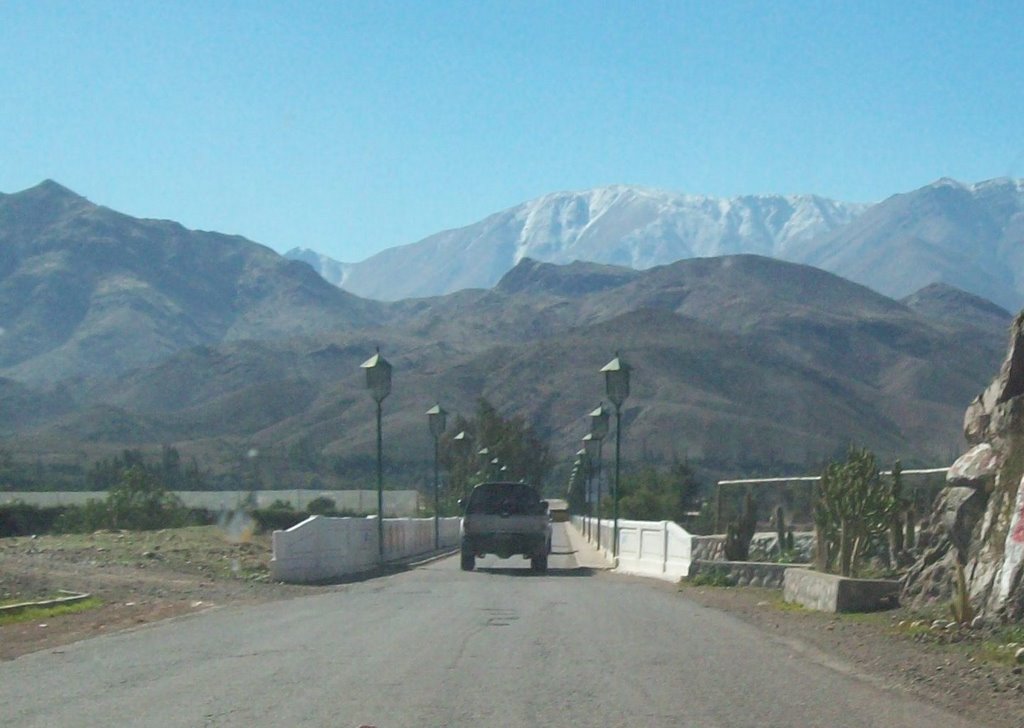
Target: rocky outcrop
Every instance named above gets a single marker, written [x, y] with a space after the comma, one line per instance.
[978, 519]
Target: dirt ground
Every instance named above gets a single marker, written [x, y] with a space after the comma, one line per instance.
[145, 577]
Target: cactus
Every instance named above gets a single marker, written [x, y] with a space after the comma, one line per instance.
[739, 533]
[852, 508]
[896, 532]
[910, 536]
[780, 529]
[960, 608]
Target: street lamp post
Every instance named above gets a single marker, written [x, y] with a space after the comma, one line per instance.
[437, 418]
[464, 442]
[378, 381]
[598, 431]
[616, 381]
[591, 450]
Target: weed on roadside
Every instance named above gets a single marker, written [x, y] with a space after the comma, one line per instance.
[31, 614]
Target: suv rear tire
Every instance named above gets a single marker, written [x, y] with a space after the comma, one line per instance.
[539, 563]
[468, 560]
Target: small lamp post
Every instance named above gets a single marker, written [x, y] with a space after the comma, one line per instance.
[378, 381]
[598, 430]
[592, 451]
[463, 443]
[616, 383]
[438, 419]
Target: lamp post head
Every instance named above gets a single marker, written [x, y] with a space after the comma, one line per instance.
[438, 419]
[591, 445]
[599, 422]
[616, 380]
[378, 376]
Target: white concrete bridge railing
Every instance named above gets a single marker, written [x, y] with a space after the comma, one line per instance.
[661, 549]
[321, 548]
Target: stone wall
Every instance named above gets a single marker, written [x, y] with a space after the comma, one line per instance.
[763, 547]
[745, 573]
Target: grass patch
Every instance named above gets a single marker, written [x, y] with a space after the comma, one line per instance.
[31, 614]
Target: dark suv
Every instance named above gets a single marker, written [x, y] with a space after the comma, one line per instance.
[506, 519]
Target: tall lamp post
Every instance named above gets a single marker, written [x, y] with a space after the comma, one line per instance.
[585, 460]
[598, 431]
[616, 384]
[437, 418]
[378, 381]
[464, 444]
[483, 457]
[591, 446]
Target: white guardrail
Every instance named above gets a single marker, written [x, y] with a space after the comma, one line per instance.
[661, 549]
[321, 548]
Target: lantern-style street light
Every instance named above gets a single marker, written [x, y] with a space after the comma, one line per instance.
[616, 384]
[378, 381]
[438, 419]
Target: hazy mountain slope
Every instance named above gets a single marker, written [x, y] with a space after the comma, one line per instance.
[86, 290]
[626, 226]
[969, 236]
[742, 363]
[946, 304]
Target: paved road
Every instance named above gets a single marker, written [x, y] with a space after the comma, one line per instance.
[439, 647]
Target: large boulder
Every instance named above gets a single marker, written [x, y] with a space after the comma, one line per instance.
[978, 519]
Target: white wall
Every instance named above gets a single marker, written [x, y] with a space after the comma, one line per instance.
[661, 549]
[396, 502]
[320, 548]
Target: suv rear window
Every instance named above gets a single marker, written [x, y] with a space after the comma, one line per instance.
[517, 499]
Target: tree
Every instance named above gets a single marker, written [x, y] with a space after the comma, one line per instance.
[511, 440]
[139, 502]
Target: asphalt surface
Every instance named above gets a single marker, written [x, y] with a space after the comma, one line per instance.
[436, 646]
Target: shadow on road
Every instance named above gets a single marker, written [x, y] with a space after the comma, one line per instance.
[574, 571]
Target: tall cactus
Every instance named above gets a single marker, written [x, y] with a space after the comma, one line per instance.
[740, 533]
[896, 531]
[779, 520]
[852, 508]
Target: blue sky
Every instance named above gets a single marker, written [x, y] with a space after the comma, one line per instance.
[349, 127]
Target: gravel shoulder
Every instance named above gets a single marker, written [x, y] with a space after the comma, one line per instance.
[962, 677]
[138, 578]
[141, 578]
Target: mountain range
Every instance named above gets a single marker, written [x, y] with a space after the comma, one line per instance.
[968, 236]
[120, 332]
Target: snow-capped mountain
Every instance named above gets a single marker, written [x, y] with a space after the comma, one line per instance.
[970, 236]
[330, 269]
[621, 225]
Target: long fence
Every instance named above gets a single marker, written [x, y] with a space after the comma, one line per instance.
[321, 549]
[396, 502]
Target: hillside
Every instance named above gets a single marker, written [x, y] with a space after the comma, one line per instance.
[218, 346]
[88, 291]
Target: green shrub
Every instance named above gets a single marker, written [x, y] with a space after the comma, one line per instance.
[712, 577]
[25, 519]
[321, 506]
